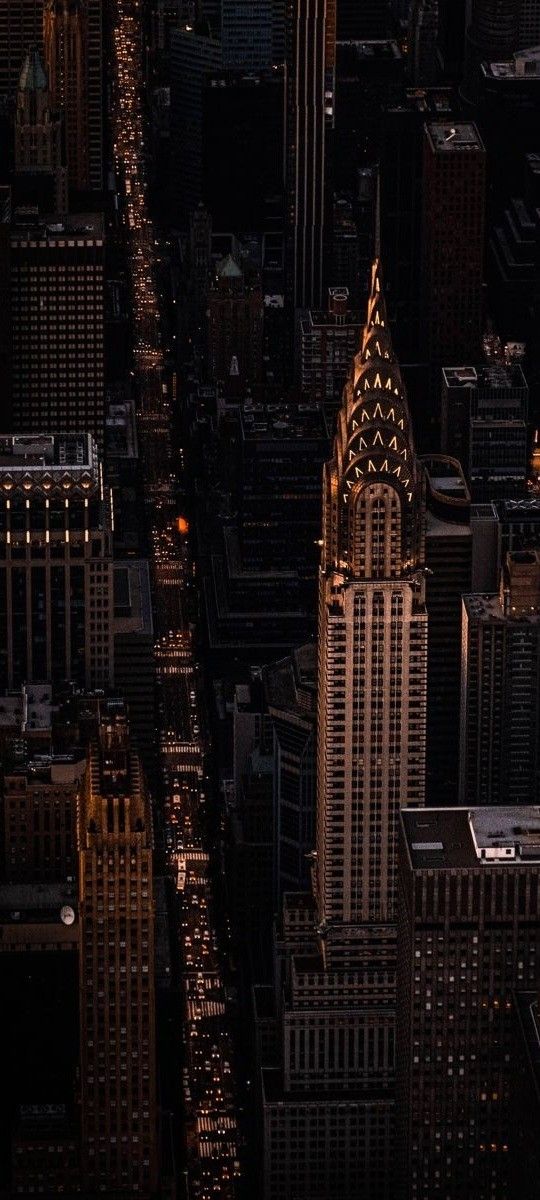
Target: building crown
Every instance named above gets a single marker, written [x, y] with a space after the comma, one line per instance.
[374, 479]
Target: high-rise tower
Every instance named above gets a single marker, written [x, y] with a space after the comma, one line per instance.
[309, 96]
[328, 1111]
[372, 636]
[64, 36]
[73, 43]
[116, 967]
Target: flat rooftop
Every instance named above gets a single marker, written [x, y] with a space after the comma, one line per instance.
[447, 137]
[35, 454]
[482, 606]
[72, 230]
[493, 377]
[442, 838]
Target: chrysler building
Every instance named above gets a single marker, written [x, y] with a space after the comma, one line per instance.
[328, 1108]
[372, 636]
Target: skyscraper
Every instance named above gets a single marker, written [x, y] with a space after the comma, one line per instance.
[453, 216]
[309, 98]
[57, 325]
[500, 688]
[469, 935]
[65, 49]
[484, 424]
[73, 48]
[56, 570]
[116, 967]
[329, 1112]
[40, 175]
[372, 640]
[21, 26]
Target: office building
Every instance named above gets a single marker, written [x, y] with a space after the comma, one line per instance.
[291, 697]
[194, 57]
[39, 1105]
[497, 528]
[242, 147]
[448, 577]
[469, 936]
[260, 588]
[56, 571]
[40, 796]
[116, 970]
[247, 34]
[484, 424]
[65, 50]
[57, 325]
[134, 668]
[40, 173]
[328, 1110]
[309, 99]
[500, 688]
[453, 216]
[235, 328]
[327, 343]
[21, 26]
[368, 75]
[423, 41]
[73, 40]
[401, 183]
[513, 254]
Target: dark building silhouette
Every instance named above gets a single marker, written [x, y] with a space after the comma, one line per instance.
[242, 147]
[56, 330]
[468, 937]
[235, 328]
[40, 173]
[500, 697]
[309, 99]
[449, 573]
[21, 26]
[492, 35]
[484, 424]
[453, 204]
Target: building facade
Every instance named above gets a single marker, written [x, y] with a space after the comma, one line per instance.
[116, 967]
[484, 424]
[309, 99]
[453, 215]
[57, 325]
[500, 688]
[56, 573]
[469, 935]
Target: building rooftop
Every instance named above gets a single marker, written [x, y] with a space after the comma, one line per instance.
[36, 453]
[460, 137]
[30, 709]
[495, 377]
[445, 838]
[282, 421]
[36, 902]
[525, 64]
[28, 226]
